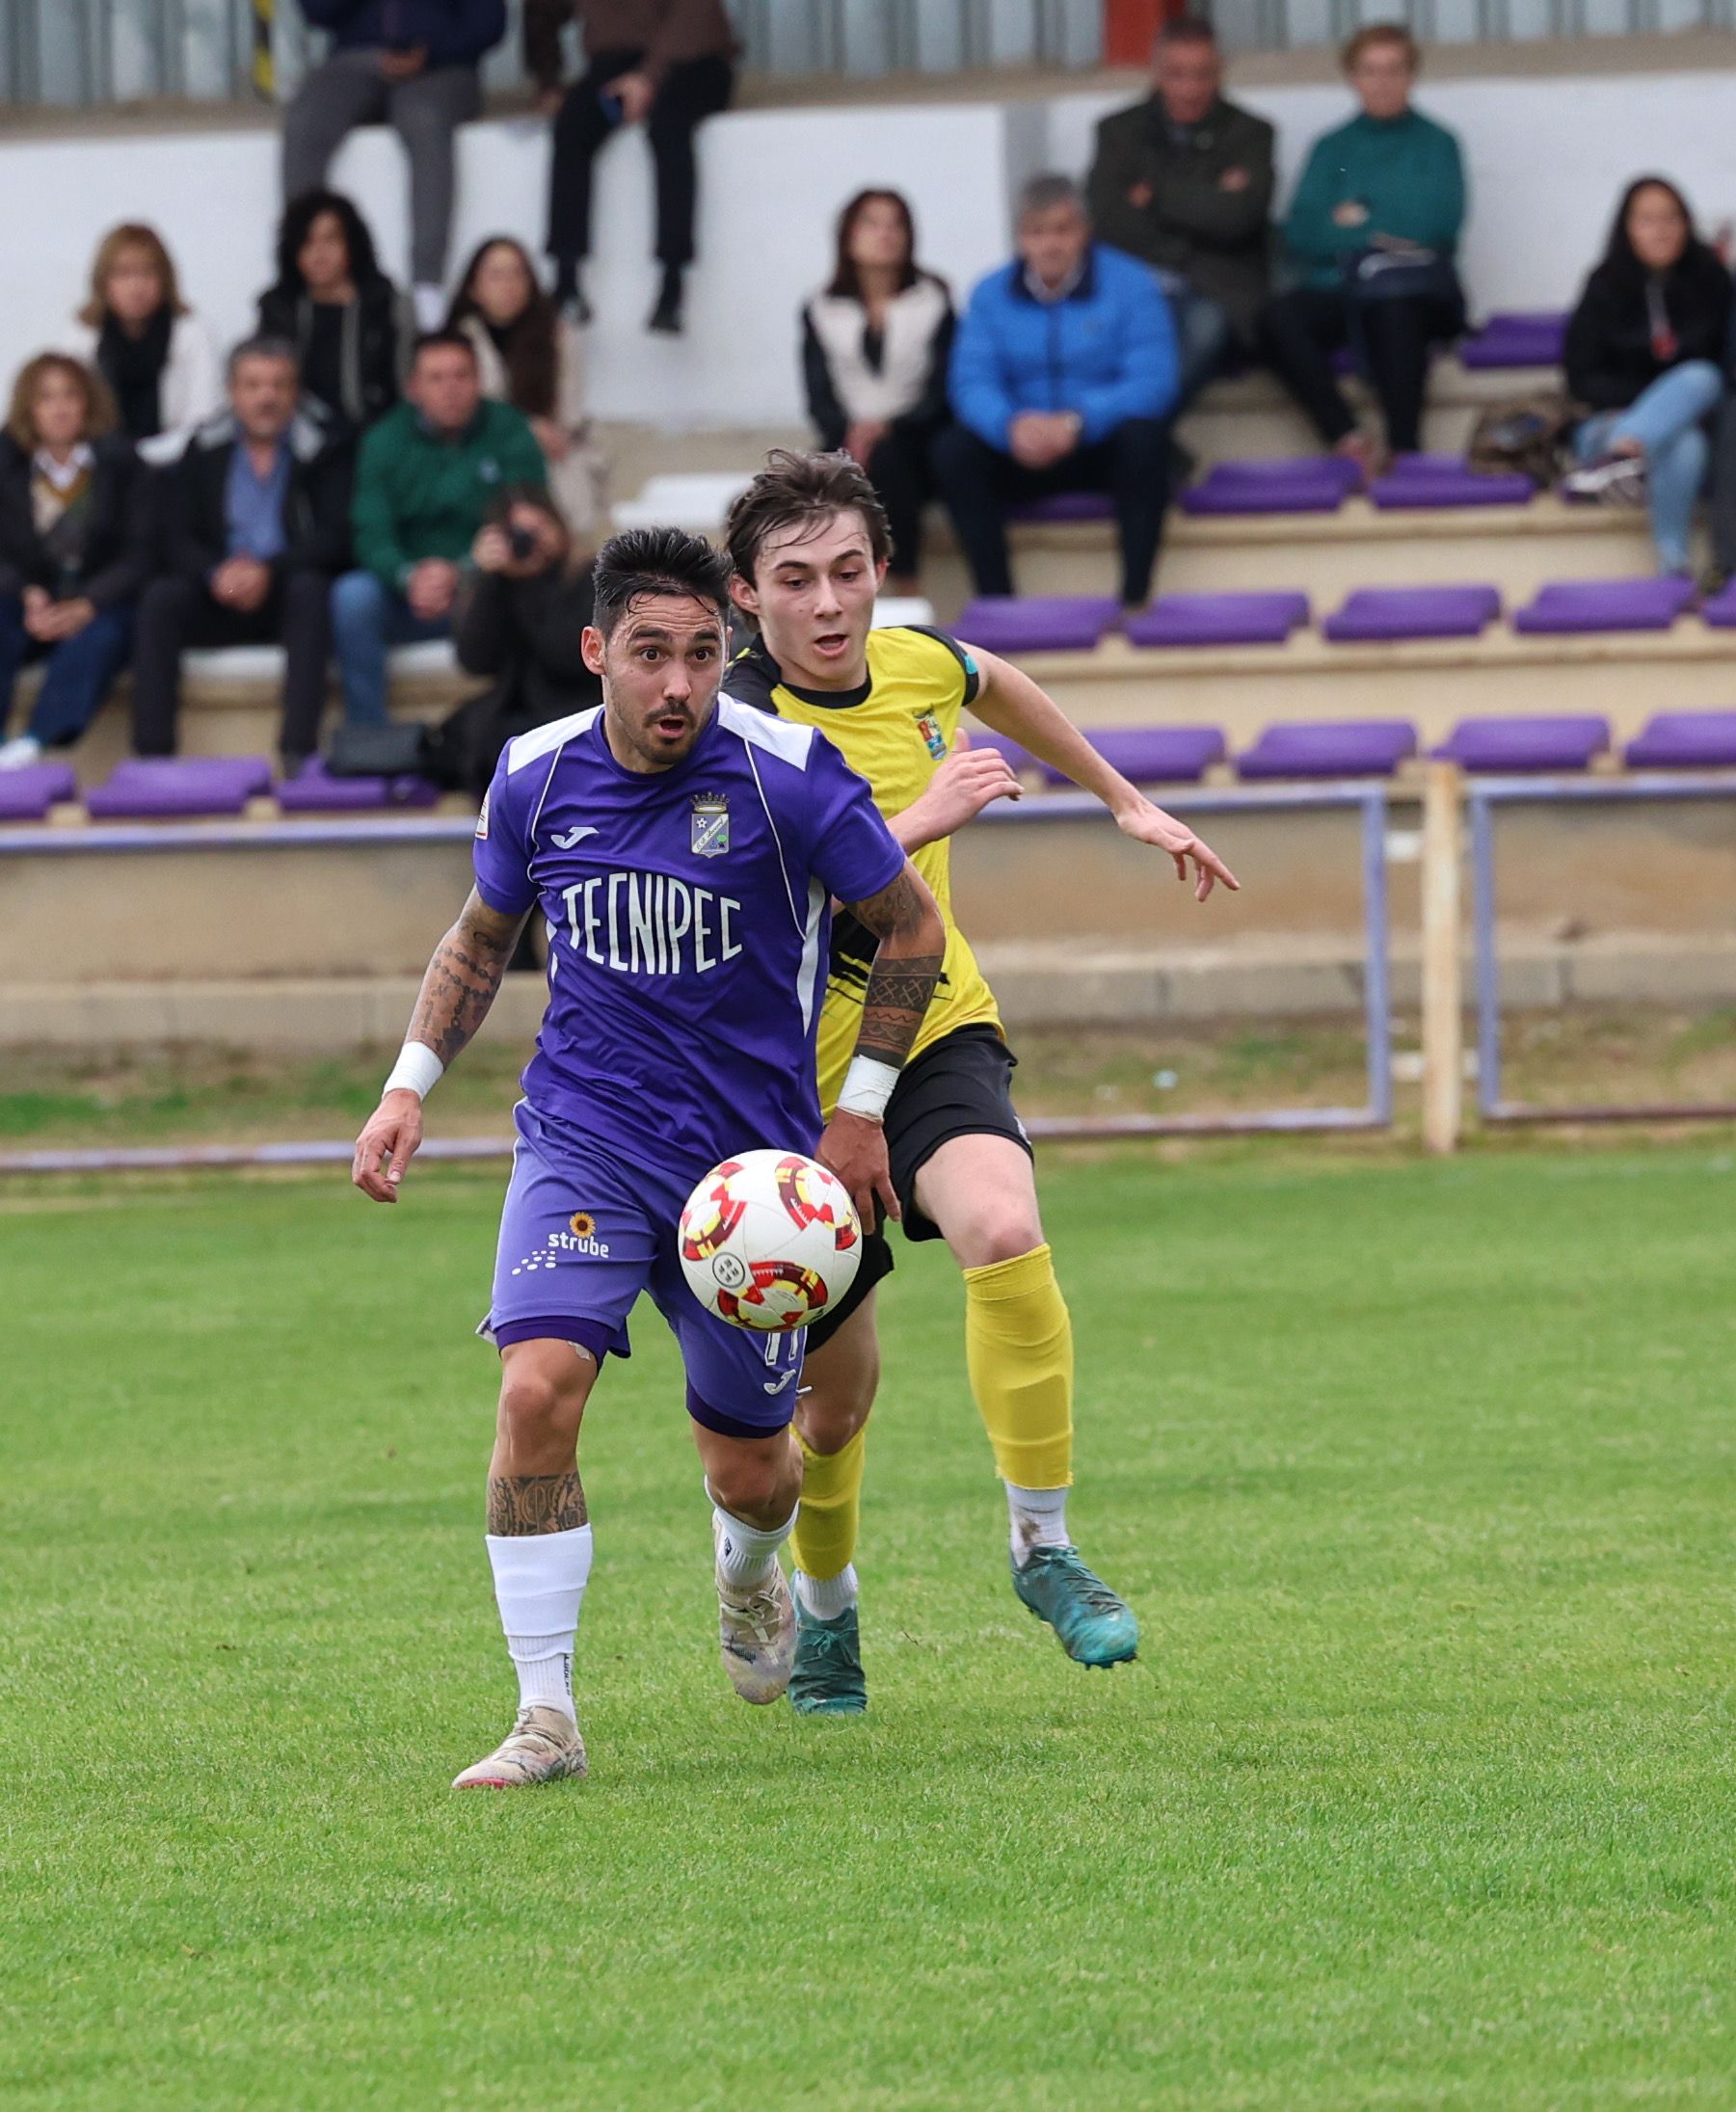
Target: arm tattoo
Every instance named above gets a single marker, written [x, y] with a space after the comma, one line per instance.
[901, 981]
[521, 1504]
[463, 979]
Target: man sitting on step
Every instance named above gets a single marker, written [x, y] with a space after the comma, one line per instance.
[1063, 373]
[255, 527]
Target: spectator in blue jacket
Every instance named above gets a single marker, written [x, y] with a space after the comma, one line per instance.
[416, 66]
[1063, 373]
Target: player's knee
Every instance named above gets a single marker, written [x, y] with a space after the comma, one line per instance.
[540, 1398]
[1000, 1236]
[832, 1414]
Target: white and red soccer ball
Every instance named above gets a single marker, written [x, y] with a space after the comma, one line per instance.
[769, 1240]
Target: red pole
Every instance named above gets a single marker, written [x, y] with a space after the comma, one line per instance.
[1129, 27]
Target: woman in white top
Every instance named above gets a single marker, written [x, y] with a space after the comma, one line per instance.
[157, 356]
[529, 356]
[874, 347]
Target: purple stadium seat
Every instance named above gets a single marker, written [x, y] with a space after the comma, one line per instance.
[1152, 755]
[1343, 748]
[1376, 613]
[1514, 338]
[179, 786]
[1041, 622]
[1318, 484]
[27, 795]
[1720, 609]
[1065, 506]
[1219, 619]
[1424, 480]
[1605, 604]
[1684, 740]
[1565, 742]
[313, 791]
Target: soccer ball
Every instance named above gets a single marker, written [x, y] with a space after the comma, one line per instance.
[769, 1240]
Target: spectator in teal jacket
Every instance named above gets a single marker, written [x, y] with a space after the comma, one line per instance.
[1372, 235]
[428, 474]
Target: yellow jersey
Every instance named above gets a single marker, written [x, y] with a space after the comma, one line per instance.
[896, 731]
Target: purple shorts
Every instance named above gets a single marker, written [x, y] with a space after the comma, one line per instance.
[582, 1235]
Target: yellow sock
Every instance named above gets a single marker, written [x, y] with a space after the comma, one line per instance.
[825, 1539]
[1019, 1353]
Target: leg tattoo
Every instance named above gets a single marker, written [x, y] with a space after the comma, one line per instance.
[535, 1503]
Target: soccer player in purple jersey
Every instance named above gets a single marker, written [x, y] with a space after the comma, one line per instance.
[684, 854]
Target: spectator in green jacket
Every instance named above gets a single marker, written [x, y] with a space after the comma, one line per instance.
[425, 478]
[1371, 234]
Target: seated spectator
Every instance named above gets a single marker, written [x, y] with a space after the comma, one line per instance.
[875, 350]
[531, 355]
[520, 619]
[1645, 355]
[1374, 230]
[351, 328]
[75, 549]
[667, 64]
[157, 356]
[424, 479]
[1063, 372]
[416, 66]
[1184, 181]
[255, 526]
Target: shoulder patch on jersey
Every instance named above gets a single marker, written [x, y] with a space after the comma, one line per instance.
[542, 740]
[781, 737]
[750, 678]
[961, 653]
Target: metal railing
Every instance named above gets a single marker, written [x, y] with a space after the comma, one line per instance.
[91, 53]
[1283, 25]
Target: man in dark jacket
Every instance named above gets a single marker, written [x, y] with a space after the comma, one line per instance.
[255, 525]
[667, 64]
[416, 66]
[520, 619]
[1184, 181]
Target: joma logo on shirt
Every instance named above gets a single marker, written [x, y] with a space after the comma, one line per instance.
[651, 923]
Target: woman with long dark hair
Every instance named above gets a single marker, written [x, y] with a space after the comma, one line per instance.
[874, 349]
[1644, 354]
[530, 356]
[155, 355]
[352, 328]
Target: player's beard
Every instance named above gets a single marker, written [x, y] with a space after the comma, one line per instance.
[641, 734]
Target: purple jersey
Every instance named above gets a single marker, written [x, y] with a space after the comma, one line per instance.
[687, 913]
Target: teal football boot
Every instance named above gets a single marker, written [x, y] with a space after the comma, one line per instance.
[1094, 1626]
[828, 1678]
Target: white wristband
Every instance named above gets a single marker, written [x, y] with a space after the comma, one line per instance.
[868, 1086]
[417, 1067]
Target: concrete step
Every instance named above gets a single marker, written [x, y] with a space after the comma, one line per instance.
[1514, 548]
[1626, 676]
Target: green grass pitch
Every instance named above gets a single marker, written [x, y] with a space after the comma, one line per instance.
[1423, 1795]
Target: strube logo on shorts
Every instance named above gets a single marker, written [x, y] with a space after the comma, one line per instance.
[651, 923]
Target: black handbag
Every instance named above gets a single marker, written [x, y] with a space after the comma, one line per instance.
[398, 749]
[1406, 274]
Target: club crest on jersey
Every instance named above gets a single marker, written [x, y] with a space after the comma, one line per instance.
[710, 830]
[929, 726]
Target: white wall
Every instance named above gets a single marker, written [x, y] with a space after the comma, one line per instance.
[1546, 160]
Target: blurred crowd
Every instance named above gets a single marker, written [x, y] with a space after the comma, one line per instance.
[375, 466]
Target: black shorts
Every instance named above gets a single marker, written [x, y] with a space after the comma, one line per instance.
[960, 1085]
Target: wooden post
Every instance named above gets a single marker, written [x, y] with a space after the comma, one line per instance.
[1443, 997]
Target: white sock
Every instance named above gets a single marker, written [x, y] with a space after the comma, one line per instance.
[430, 307]
[1038, 1518]
[747, 1554]
[826, 1597]
[539, 1586]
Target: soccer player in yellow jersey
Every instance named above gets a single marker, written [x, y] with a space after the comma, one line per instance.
[809, 545]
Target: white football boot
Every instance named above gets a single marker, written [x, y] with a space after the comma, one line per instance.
[543, 1745]
[756, 1632]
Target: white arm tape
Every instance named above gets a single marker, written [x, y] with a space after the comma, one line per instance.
[868, 1086]
[417, 1067]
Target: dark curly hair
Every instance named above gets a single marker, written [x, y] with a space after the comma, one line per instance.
[643, 561]
[299, 216]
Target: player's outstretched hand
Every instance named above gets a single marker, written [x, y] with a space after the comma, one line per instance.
[1146, 823]
[855, 1150]
[387, 1144]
